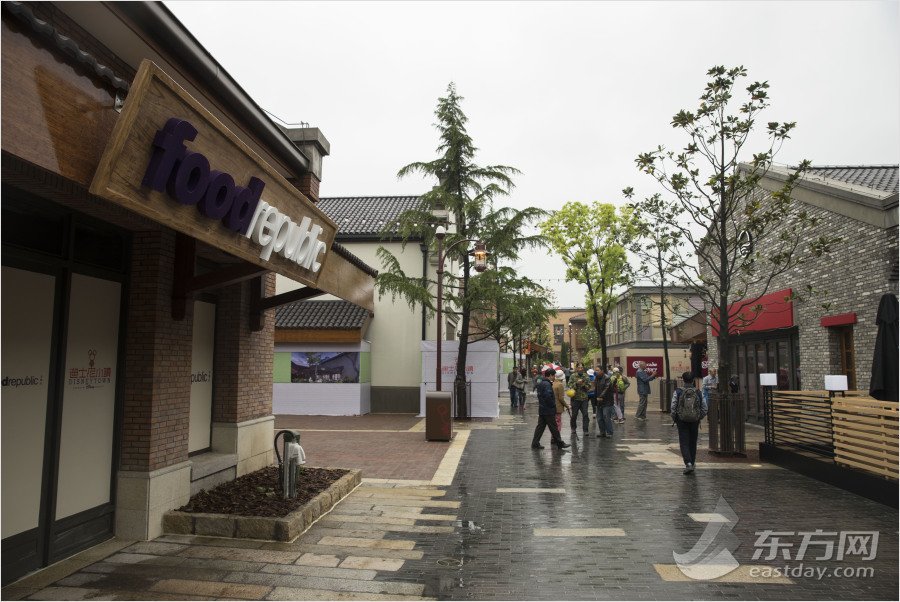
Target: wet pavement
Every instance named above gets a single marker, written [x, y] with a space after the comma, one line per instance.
[485, 517]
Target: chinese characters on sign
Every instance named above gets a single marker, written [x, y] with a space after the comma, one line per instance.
[90, 377]
[862, 544]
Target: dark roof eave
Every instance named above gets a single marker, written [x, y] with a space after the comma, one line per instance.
[154, 21]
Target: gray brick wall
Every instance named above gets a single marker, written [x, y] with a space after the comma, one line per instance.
[855, 275]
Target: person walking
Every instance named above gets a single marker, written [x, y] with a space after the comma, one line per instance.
[605, 404]
[513, 390]
[547, 412]
[519, 384]
[643, 389]
[688, 409]
[580, 382]
[559, 392]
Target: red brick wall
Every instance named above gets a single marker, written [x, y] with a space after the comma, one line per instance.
[157, 360]
[156, 405]
[243, 359]
[309, 185]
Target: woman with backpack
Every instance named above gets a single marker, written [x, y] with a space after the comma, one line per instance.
[688, 409]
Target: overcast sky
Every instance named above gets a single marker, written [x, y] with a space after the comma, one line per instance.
[568, 93]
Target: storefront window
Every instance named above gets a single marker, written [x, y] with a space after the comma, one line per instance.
[752, 380]
[784, 366]
[30, 224]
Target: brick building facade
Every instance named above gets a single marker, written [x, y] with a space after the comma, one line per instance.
[859, 205]
[138, 322]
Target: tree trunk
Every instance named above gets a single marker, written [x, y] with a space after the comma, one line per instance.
[662, 319]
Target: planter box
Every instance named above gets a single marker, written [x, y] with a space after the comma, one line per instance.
[284, 528]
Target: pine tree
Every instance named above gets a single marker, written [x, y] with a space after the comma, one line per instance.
[466, 191]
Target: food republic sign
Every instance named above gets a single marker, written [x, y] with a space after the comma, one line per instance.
[171, 160]
[188, 178]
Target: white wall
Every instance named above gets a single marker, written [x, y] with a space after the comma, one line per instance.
[322, 399]
[396, 329]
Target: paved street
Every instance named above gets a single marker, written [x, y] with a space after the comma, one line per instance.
[485, 517]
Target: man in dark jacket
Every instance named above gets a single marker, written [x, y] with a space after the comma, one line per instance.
[547, 413]
[606, 410]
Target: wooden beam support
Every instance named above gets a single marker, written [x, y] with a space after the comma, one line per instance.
[289, 297]
[225, 277]
[185, 283]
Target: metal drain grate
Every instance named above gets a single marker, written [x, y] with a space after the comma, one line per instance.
[449, 562]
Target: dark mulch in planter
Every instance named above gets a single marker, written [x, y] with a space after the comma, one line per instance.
[259, 493]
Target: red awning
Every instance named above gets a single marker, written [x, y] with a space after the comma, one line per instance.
[839, 320]
[769, 312]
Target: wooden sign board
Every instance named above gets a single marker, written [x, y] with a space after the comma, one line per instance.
[201, 180]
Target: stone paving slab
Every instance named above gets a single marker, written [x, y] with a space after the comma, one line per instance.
[295, 593]
[508, 538]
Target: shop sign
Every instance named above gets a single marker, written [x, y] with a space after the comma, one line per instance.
[187, 177]
[654, 365]
[171, 160]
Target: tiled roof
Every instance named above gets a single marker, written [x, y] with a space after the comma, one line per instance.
[364, 216]
[878, 177]
[321, 315]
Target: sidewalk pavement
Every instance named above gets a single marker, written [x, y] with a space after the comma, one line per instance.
[485, 517]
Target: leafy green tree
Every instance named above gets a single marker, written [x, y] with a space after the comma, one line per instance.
[466, 191]
[508, 306]
[591, 241]
[657, 246]
[505, 303]
[737, 236]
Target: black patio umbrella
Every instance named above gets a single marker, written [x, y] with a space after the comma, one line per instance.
[885, 371]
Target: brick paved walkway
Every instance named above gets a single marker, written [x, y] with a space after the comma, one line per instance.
[486, 518]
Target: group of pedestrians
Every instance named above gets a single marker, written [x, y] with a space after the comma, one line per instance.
[604, 392]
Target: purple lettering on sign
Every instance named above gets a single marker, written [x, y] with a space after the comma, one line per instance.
[186, 177]
[170, 149]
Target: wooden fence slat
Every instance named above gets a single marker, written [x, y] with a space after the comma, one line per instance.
[858, 431]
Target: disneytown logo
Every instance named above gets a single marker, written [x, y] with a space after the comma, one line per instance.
[92, 377]
[188, 178]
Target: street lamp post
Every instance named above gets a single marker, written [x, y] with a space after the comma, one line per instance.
[480, 265]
